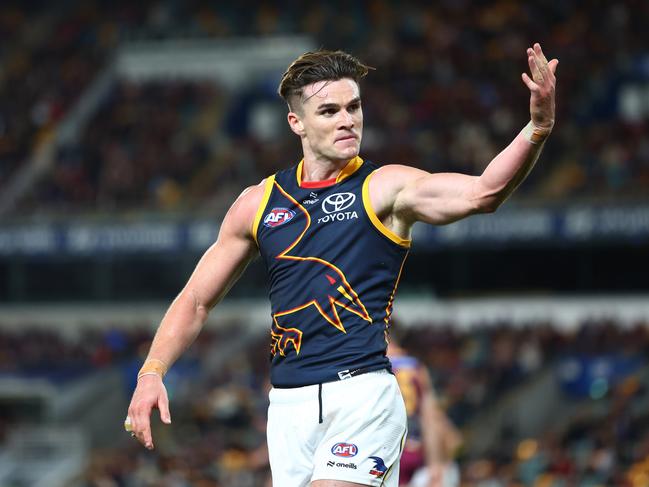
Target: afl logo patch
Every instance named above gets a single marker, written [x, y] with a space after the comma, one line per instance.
[338, 202]
[278, 216]
[344, 450]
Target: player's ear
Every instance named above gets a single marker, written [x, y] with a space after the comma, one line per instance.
[296, 124]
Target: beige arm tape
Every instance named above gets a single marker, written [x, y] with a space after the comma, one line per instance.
[153, 366]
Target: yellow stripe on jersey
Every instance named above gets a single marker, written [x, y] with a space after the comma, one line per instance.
[350, 168]
[298, 172]
[388, 308]
[270, 180]
[375, 219]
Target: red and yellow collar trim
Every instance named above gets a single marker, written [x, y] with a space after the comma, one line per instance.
[350, 168]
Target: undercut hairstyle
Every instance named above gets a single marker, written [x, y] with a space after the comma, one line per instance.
[315, 66]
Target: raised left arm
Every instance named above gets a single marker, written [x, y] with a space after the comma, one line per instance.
[508, 169]
[446, 197]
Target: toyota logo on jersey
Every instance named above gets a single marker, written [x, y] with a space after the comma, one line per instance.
[278, 216]
[338, 202]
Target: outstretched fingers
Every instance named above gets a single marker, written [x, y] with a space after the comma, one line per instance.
[541, 69]
[529, 83]
[536, 66]
[541, 82]
[547, 68]
[539, 53]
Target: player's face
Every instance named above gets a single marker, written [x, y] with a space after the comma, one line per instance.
[332, 119]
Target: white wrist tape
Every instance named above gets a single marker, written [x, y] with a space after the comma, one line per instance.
[535, 135]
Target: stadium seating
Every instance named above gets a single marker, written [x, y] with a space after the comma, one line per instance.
[219, 398]
[130, 196]
[446, 96]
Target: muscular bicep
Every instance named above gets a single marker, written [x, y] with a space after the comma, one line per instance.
[438, 198]
[223, 263]
[219, 269]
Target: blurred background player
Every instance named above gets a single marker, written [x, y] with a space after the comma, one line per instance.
[433, 440]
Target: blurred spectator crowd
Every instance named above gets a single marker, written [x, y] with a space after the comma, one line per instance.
[147, 143]
[446, 95]
[217, 437]
[44, 352]
[47, 61]
[604, 442]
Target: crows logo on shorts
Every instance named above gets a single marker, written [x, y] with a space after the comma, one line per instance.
[379, 467]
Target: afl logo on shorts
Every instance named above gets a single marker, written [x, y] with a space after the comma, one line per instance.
[278, 216]
[344, 450]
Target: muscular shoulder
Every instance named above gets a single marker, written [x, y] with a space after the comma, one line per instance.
[387, 182]
[241, 215]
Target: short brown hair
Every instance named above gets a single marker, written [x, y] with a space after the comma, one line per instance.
[319, 66]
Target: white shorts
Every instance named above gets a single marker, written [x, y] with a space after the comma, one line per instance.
[360, 438]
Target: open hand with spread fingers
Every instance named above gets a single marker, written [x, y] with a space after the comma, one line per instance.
[542, 87]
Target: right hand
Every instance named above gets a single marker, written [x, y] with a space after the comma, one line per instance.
[150, 393]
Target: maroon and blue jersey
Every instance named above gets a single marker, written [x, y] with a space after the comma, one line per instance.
[334, 270]
[407, 371]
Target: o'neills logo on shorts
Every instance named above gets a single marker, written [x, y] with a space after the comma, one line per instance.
[345, 450]
[331, 463]
[278, 216]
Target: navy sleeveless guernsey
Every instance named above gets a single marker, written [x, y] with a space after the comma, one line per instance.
[334, 269]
